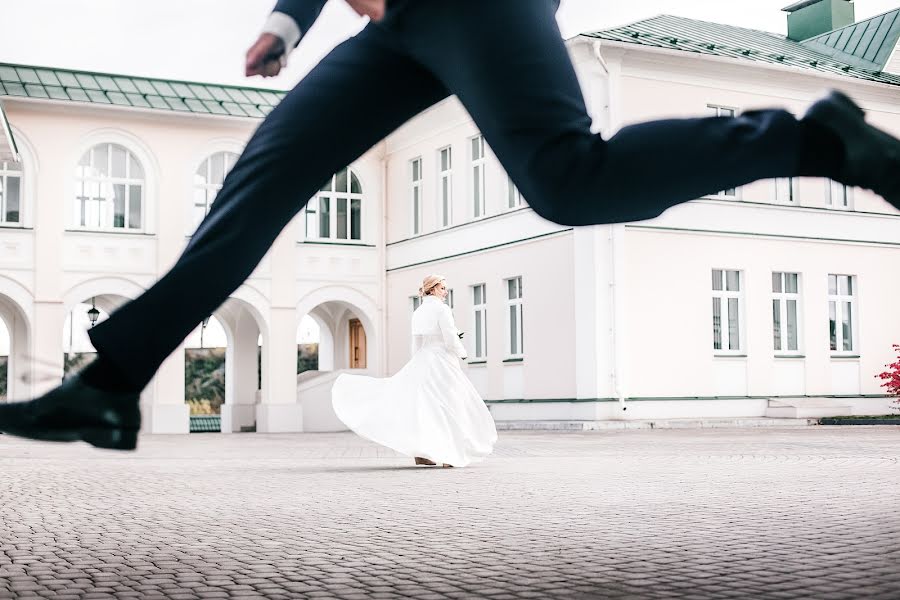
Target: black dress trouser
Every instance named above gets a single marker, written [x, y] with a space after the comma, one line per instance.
[507, 63]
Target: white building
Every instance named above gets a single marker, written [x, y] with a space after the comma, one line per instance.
[760, 300]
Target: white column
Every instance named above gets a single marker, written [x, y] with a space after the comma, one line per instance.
[19, 374]
[599, 303]
[47, 352]
[162, 403]
[241, 377]
[279, 410]
[51, 206]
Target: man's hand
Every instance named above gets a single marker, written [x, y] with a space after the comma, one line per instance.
[265, 56]
[374, 9]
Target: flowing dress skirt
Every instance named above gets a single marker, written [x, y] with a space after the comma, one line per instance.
[429, 408]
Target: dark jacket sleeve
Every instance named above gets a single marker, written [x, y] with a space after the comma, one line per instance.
[304, 12]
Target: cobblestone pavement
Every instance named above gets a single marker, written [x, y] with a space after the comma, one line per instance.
[776, 513]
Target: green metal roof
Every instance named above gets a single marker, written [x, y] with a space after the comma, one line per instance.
[867, 44]
[714, 39]
[140, 92]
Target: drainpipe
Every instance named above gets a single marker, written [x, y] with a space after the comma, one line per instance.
[383, 254]
[615, 316]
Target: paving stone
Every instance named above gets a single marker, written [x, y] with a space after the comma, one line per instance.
[716, 513]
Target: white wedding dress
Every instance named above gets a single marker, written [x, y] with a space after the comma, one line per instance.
[429, 408]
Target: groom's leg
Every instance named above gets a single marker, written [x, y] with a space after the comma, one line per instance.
[507, 63]
[358, 94]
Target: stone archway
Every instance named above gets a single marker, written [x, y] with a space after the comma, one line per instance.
[246, 333]
[17, 367]
[348, 340]
[335, 309]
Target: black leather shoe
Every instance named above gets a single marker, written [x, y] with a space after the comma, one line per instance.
[871, 156]
[76, 411]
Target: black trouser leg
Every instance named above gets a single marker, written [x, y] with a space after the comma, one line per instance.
[506, 61]
[357, 95]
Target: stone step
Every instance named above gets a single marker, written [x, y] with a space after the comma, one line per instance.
[739, 422]
[807, 408]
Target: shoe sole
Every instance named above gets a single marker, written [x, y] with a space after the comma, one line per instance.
[112, 439]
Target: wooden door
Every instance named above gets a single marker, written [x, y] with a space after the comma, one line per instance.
[357, 345]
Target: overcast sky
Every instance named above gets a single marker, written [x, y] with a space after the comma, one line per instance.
[205, 40]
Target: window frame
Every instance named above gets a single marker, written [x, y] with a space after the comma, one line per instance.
[845, 192]
[837, 301]
[514, 307]
[787, 191]
[477, 177]
[720, 110]
[724, 295]
[415, 196]
[208, 187]
[333, 196]
[9, 170]
[514, 198]
[479, 308]
[445, 188]
[106, 204]
[782, 297]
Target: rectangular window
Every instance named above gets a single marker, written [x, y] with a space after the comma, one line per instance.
[312, 219]
[450, 301]
[724, 111]
[134, 207]
[785, 303]
[342, 218]
[416, 194]
[10, 194]
[478, 179]
[515, 347]
[416, 302]
[355, 219]
[446, 186]
[324, 217]
[838, 195]
[726, 305]
[479, 303]
[787, 190]
[118, 205]
[513, 195]
[841, 312]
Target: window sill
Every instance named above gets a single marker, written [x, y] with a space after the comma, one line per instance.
[476, 362]
[355, 243]
[514, 360]
[845, 356]
[111, 232]
[729, 356]
[790, 356]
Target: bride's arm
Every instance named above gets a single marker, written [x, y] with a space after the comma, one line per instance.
[450, 333]
[417, 341]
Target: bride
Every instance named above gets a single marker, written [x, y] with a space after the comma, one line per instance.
[429, 409]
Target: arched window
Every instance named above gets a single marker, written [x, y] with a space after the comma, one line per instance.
[336, 211]
[208, 181]
[109, 190]
[10, 194]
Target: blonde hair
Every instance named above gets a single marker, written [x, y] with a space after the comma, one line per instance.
[429, 283]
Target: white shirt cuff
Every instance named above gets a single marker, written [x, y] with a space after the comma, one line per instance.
[285, 27]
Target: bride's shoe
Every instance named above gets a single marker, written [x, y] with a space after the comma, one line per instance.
[424, 461]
